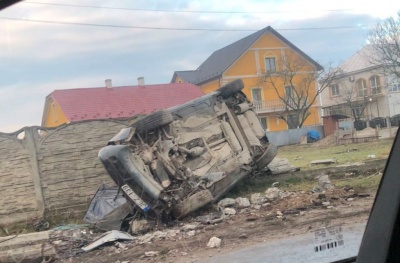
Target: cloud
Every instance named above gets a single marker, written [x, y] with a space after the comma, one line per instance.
[37, 58]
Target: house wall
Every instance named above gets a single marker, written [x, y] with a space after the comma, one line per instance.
[210, 86]
[53, 171]
[379, 107]
[54, 115]
[251, 65]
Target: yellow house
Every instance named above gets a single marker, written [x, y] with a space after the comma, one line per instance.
[250, 58]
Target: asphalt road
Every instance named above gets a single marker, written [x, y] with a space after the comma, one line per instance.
[323, 245]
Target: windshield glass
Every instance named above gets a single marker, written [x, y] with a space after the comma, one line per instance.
[254, 131]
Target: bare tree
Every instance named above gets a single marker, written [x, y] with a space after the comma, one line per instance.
[348, 100]
[296, 84]
[385, 42]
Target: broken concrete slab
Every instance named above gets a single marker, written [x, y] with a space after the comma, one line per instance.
[324, 161]
[281, 166]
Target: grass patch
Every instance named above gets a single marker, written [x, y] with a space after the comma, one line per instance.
[307, 183]
[302, 155]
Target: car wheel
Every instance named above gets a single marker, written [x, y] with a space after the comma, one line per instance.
[231, 88]
[155, 120]
[267, 156]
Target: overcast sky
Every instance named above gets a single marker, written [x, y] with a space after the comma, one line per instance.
[41, 55]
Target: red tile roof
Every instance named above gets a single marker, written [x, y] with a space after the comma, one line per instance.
[120, 102]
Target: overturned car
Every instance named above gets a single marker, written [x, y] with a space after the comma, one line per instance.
[177, 160]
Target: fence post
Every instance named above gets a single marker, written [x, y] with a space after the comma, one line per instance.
[30, 145]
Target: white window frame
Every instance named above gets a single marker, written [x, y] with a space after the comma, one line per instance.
[374, 82]
[268, 65]
[335, 87]
[363, 88]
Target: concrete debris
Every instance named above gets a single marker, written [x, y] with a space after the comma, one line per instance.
[279, 213]
[330, 207]
[188, 227]
[242, 202]
[160, 234]
[140, 226]
[151, 253]
[326, 203]
[191, 233]
[324, 161]
[227, 202]
[257, 199]
[173, 232]
[229, 211]
[257, 207]
[272, 193]
[214, 242]
[110, 236]
[280, 166]
[350, 199]
[371, 156]
[324, 183]
[145, 239]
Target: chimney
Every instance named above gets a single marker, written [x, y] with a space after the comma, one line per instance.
[140, 81]
[108, 83]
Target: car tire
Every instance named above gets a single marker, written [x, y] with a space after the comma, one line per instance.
[231, 88]
[153, 121]
[267, 156]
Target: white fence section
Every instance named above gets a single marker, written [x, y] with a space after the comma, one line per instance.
[293, 136]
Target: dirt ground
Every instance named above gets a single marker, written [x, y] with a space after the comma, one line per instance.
[296, 214]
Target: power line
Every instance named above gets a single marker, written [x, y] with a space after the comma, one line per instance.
[171, 28]
[180, 11]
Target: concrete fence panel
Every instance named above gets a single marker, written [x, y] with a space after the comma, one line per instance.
[52, 170]
[292, 136]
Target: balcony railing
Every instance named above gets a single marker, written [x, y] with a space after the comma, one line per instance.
[264, 106]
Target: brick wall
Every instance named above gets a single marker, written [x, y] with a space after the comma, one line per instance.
[52, 170]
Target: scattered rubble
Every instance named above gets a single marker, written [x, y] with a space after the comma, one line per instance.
[327, 141]
[191, 233]
[227, 202]
[272, 193]
[140, 226]
[242, 202]
[151, 253]
[188, 227]
[229, 211]
[324, 183]
[257, 199]
[214, 242]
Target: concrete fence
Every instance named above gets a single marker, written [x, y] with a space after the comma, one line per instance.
[292, 136]
[52, 170]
